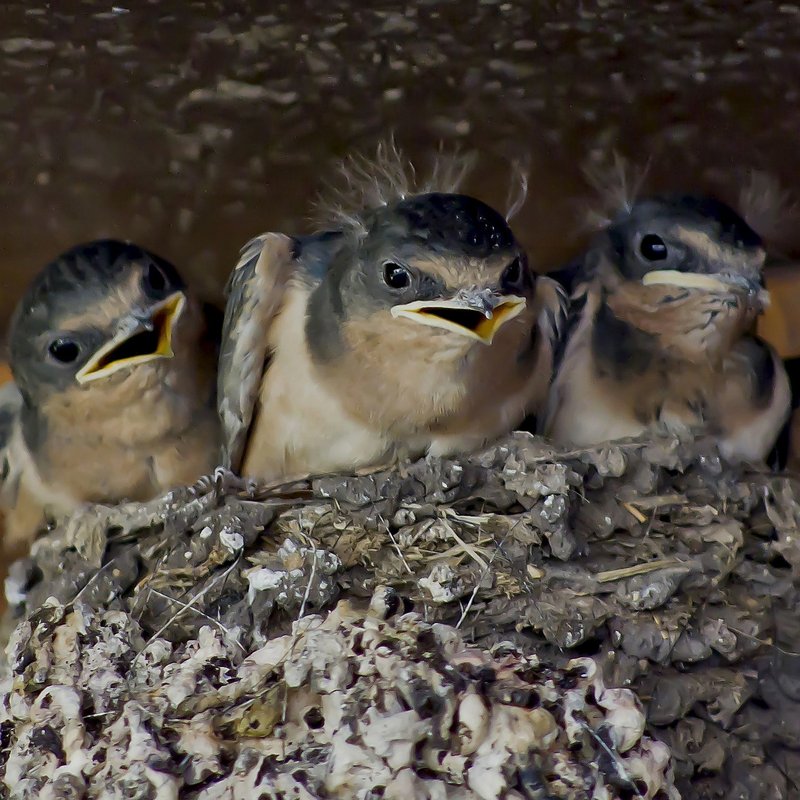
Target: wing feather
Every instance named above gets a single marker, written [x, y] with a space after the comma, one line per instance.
[255, 294]
[10, 406]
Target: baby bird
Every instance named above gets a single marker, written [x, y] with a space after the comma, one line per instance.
[661, 333]
[417, 326]
[114, 383]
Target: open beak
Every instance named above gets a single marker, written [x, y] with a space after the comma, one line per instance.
[140, 339]
[471, 313]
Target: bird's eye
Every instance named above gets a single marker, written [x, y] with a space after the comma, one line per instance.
[396, 277]
[155, 279]
[653, 248]
[512, 274]
[64, 350]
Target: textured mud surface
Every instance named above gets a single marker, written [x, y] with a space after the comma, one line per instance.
[192, 126]
[675, 574]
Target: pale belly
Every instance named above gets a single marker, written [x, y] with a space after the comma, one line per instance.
[586, 422]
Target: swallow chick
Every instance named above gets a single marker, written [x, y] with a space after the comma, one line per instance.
[113, 396]
[415, 327]
[661, 333]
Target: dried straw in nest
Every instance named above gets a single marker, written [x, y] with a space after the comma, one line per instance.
[605, 623]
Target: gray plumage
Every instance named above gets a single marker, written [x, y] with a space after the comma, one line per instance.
[10, 408]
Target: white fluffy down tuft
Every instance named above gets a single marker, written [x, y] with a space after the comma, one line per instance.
[617, 184]
[366, 183]
[768, 209]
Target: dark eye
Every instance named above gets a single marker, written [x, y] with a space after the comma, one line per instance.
[512, 274]
[396, 276]
[155, 279]
[64, 350]
[653, 248]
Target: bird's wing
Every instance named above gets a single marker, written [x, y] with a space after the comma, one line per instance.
[564, 296]
[551, 317]
[553, 310]
[255, 294]
[573, 281]
[569, 275]
[10, 405]
[786, 454]
[755, 401]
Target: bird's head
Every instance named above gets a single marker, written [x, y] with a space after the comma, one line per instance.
[685, 268]
[436, 272]
[94, 316]
[686, 241]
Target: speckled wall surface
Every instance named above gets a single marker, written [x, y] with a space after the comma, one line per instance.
[191, 126]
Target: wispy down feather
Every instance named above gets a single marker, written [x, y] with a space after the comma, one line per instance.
[518, 189]
[762, 202]
[769, 209]
[367, 183]
[617, 185]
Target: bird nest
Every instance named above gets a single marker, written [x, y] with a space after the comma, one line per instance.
[612, 622]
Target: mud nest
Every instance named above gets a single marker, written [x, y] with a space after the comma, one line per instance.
[614, 622]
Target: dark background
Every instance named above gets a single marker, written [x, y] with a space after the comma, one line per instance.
[191, 126]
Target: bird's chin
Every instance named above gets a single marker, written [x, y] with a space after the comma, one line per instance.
[688, 322]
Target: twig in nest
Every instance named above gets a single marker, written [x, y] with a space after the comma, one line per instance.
[474, 594]
[459, 551]
[467, 548]
[300, 614]
[638, 569]
[397, 546]
[200, 613]
[763, 642]
[613, 755]
[91, 580]
[634, 512]
[186, 607]
[311, 577]
[659, 500]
